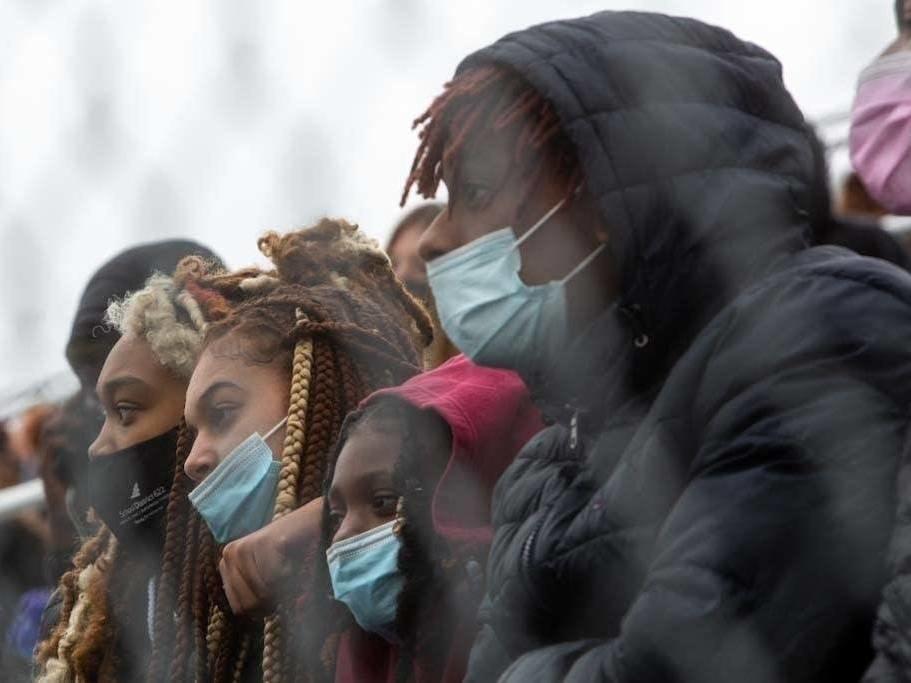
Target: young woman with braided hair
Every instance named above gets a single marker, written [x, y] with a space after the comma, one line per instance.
[100, 631]
[289, 353]
[407, 524]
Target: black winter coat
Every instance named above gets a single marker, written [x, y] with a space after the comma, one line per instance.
[716, 498]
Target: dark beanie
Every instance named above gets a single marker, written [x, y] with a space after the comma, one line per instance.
[90, 338]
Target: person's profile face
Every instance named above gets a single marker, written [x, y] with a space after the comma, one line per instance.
[140, 397]
[363, 493]
[488, 191]
[406, 261]
[229, 398]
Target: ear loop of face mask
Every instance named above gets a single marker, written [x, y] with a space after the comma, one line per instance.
[537, 226]
[275, 428]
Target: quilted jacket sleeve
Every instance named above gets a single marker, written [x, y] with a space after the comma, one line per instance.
[772, 556]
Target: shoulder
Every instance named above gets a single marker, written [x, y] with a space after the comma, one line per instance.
[827, 305]
[535, 475]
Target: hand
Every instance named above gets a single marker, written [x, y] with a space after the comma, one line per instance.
[258, 570]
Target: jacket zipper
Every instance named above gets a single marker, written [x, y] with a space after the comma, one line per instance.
[528, 546]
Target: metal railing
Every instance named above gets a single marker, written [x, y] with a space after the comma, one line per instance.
[14, 500]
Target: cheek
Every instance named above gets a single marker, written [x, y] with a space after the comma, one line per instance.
[162, 417]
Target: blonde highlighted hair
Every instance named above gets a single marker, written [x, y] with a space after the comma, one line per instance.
[166, 317]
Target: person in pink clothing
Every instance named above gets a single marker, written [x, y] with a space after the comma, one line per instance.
[881, 121]
[407, 522]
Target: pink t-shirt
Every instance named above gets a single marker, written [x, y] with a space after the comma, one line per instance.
[881, 131]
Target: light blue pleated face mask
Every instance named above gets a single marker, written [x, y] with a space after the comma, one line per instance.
[365, 576]
[490, 314]
[237, 498]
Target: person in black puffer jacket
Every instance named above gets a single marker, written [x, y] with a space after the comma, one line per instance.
[715, 497]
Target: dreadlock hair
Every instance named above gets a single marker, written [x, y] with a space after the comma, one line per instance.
[433, 596]
[99, 595]
[334, 314]
[492, 99]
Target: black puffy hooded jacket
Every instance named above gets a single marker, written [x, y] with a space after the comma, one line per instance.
[716, 498]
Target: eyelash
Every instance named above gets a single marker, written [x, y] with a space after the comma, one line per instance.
[222, 415]
[386, 508]
[380, 508]
[125, 412]
[475, 195]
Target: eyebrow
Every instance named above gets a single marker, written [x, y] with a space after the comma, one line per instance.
[206, 396]
[224, 384]
[368, 477]
[112, 385]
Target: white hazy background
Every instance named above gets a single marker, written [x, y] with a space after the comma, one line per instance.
[123, 122]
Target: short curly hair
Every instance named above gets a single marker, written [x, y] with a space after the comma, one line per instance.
[167, 317]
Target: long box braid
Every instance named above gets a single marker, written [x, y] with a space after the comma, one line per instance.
[333, 307]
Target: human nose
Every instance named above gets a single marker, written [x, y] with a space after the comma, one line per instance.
[203, 458]
[441, 237]
[351, 526]
[102, 445]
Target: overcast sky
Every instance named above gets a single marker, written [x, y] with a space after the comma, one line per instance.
[127, 121]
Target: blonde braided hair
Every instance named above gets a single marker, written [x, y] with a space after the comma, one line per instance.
[56, 658]
[287, 498]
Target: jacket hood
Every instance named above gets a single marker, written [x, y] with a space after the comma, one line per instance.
[490, 416]
[699, 162]
[90, 340]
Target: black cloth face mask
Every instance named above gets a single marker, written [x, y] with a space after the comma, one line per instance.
[129, 490]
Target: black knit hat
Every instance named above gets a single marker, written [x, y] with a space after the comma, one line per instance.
[90, 339]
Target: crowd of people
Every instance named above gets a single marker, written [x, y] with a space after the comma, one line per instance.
[632, 404]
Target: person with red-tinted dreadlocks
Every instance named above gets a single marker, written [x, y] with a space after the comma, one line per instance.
[287, 354]
[628, 227]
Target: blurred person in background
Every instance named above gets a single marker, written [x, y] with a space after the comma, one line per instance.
[854, 200]
[407, 523]
[402, 248]
[891, 75]
[65, 442]
[24, 542]
[853, 231]
[880, 137]
[62, 443]
[629, 227]
[97, 625]
[289, 352]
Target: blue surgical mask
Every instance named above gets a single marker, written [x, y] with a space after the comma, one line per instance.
[490, 314]
[365, 576]
[238, 497]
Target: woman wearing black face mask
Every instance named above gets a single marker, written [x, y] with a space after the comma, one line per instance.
[102, 630]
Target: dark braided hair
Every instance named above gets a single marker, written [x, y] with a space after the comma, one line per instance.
[488, 99]
[334, 314]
